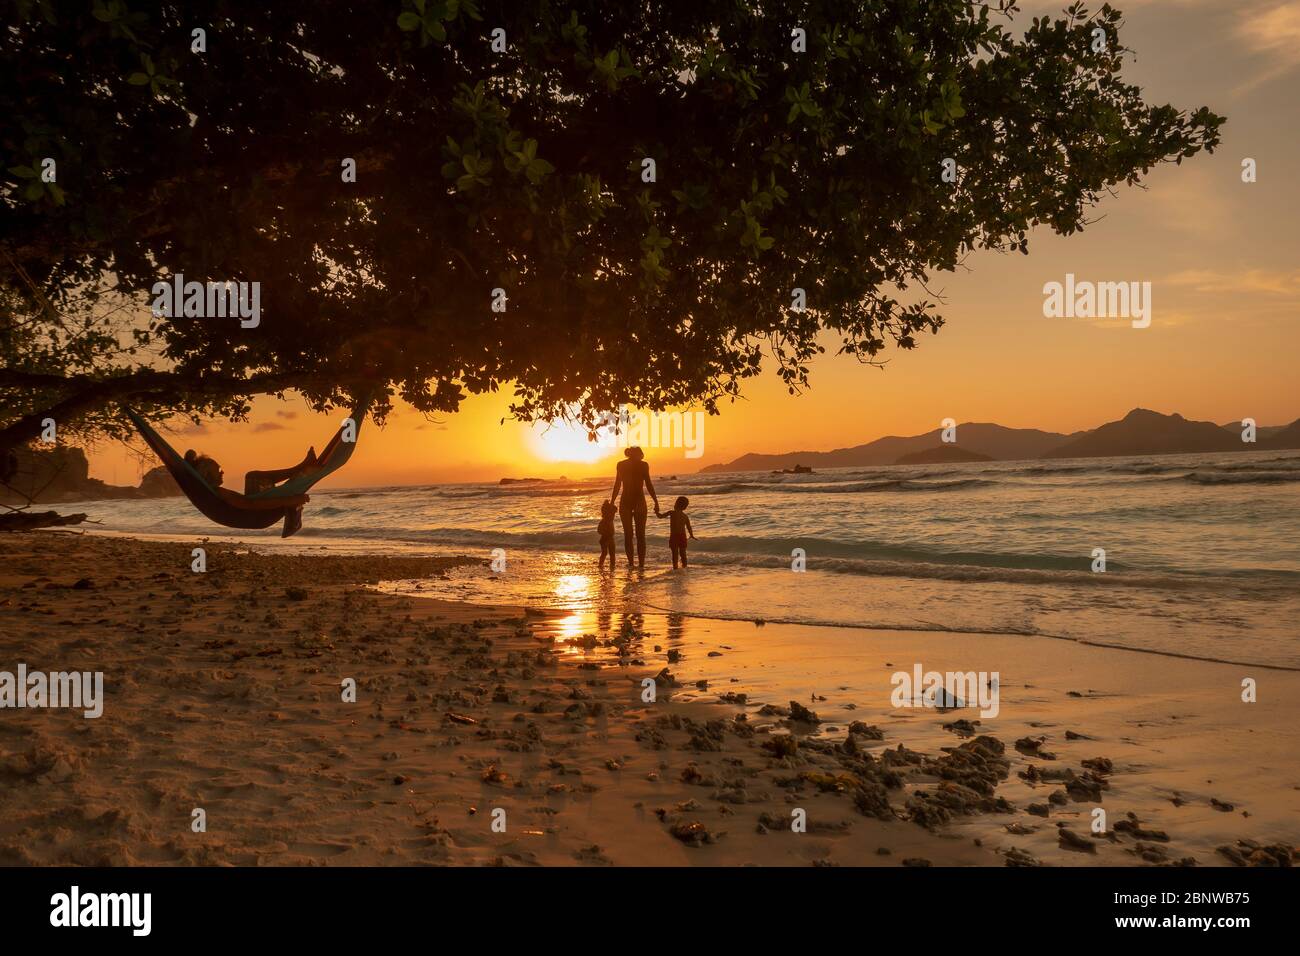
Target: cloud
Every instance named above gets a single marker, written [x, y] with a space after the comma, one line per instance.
[283, 414]
[1272, 34]
[1057, 7]
[1259, 295]
[1268, 31]
[268, 427]
[1246, 282]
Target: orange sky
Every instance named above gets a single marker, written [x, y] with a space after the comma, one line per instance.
[1223, 342]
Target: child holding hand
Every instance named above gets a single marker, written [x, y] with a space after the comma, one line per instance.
[679, 526]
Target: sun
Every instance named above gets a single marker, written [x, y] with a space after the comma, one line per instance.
[565, 441]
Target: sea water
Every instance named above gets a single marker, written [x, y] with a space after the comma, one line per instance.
[1202, 552]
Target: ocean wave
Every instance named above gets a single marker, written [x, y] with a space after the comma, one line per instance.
[731, 488]
[842, 488]
[863, 480]
[840, 557]
[907, 484]
[872, 483]
[1239, 477]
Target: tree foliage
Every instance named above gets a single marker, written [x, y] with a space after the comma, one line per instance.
[523, 170]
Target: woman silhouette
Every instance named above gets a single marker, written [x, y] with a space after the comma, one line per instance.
[630, 475]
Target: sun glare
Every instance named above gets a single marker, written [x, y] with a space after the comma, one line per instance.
[563, 441]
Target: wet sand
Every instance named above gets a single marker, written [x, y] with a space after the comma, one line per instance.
[224, 692]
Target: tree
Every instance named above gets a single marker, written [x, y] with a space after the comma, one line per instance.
[526, 171]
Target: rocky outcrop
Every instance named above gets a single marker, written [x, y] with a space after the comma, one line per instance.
[159, 483]
[62, 473]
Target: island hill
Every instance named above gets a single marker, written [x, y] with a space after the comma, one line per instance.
[1140, 432]
[62, 473]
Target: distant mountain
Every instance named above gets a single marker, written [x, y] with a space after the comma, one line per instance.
[1144, 432]
[995, 441]
[1261, 431]
[1140, 432]
[943, 454]
[1288, 436]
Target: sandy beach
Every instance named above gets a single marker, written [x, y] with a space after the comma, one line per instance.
[223, 692]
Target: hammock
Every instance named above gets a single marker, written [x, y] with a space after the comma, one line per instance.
[229, 513]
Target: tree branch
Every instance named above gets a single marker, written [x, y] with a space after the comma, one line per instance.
[90, 394]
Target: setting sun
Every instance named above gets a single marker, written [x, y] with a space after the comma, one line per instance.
[563, 441]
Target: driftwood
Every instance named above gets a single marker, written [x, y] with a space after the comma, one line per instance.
[28, 520]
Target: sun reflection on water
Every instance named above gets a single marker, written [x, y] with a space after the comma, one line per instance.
[573, 587]
[568, 631]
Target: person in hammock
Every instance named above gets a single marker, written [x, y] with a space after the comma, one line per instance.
[259, 481]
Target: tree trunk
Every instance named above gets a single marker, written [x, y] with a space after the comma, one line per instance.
[30, 520]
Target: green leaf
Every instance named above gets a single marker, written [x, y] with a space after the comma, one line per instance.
[138, 79]
[408, 21]
[23, 172]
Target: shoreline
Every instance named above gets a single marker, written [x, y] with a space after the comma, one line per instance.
[1239, 623]
[303, 548]
[975, 632]
[222, 693]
